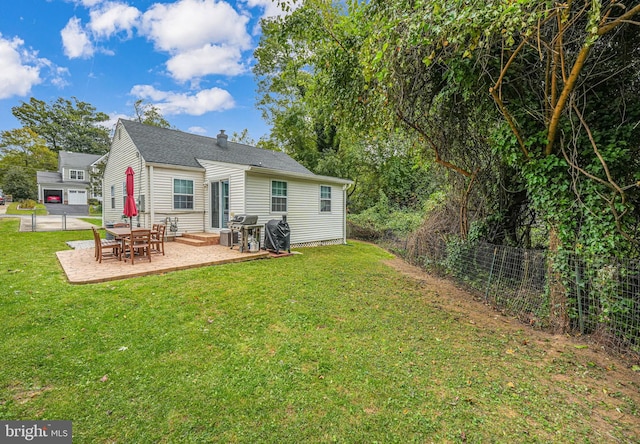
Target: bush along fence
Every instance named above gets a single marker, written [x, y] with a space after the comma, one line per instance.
[602, 296]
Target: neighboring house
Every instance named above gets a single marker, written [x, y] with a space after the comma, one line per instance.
[71, 183]
[204, 181]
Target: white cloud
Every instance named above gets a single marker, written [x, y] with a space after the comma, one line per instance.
[20, 68]
[210, 59]
[59, 75]
[113, 17]
[170, 103]
[191, 24]
[197, 130]
[75, 40]
[203, 37]
[87, 3]
[113, 119]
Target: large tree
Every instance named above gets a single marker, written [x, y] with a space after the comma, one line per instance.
[22, 153]
[66, 125]
[19, 183]
[306, 123]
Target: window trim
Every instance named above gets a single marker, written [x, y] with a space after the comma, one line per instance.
[325, 199]
[113, 197]
[71, 173]
[285, 197]
[174, 194]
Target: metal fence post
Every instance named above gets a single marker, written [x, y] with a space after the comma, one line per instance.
[33, 221]
[64, 221]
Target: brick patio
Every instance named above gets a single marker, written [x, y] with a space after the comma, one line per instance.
[81, 267]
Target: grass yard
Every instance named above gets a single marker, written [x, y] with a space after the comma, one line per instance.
[333, 345]
[12, 208]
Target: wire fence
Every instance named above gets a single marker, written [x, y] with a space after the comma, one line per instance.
[601, 297]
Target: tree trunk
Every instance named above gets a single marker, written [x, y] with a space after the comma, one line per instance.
[558, 317]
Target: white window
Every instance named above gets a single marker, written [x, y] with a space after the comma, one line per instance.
[182, 194]
[76, 174]
[278, 196]
[113, 197]
[325, 199]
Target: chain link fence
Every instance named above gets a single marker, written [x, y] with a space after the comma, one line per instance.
[602, 295]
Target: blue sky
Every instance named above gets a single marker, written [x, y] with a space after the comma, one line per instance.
[190, 58]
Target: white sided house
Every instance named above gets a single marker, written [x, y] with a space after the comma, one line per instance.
[71, 184]
[203, 182]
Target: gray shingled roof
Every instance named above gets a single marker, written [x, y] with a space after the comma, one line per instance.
[48, 177]
[172, 147]
[77, 160]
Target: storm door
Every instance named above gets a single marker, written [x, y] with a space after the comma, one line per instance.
[219, 204]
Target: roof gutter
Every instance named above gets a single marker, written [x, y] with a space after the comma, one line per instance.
[174, 167]
[313, 177]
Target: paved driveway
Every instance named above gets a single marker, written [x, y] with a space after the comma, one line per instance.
[69, 210]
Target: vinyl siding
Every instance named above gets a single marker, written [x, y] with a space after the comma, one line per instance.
[159, 205]
[306, 221]
[66, 174]
[189, 221]
[121, 155]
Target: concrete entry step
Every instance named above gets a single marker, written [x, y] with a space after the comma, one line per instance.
[199, 239]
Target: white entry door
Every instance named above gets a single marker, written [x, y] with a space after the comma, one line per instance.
[77, 197]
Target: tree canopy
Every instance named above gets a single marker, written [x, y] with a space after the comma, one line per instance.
[66, 125]
[531, 106]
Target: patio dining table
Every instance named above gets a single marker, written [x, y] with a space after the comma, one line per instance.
[123, 233]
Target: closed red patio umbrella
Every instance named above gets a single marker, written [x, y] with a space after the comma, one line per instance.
[130, 208]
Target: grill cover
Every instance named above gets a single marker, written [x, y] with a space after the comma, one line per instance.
[277, 236]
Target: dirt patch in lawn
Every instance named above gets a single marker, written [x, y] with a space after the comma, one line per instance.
[583, 372]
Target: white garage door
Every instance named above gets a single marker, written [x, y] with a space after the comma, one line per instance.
[77, 197]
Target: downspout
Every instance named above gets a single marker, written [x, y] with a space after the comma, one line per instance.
[344, 212]
[150, 200]
[139, 186]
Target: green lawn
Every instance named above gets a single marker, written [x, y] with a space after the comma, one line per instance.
[12, 208]
[328, 346]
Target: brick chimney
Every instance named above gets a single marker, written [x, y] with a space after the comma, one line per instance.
[222, 139]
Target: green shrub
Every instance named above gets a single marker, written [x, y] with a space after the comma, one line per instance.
[27, 204]
[382, 221]
[95, 209]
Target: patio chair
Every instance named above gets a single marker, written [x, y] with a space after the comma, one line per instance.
[157, 239]
[102, 245]
[139, 243]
